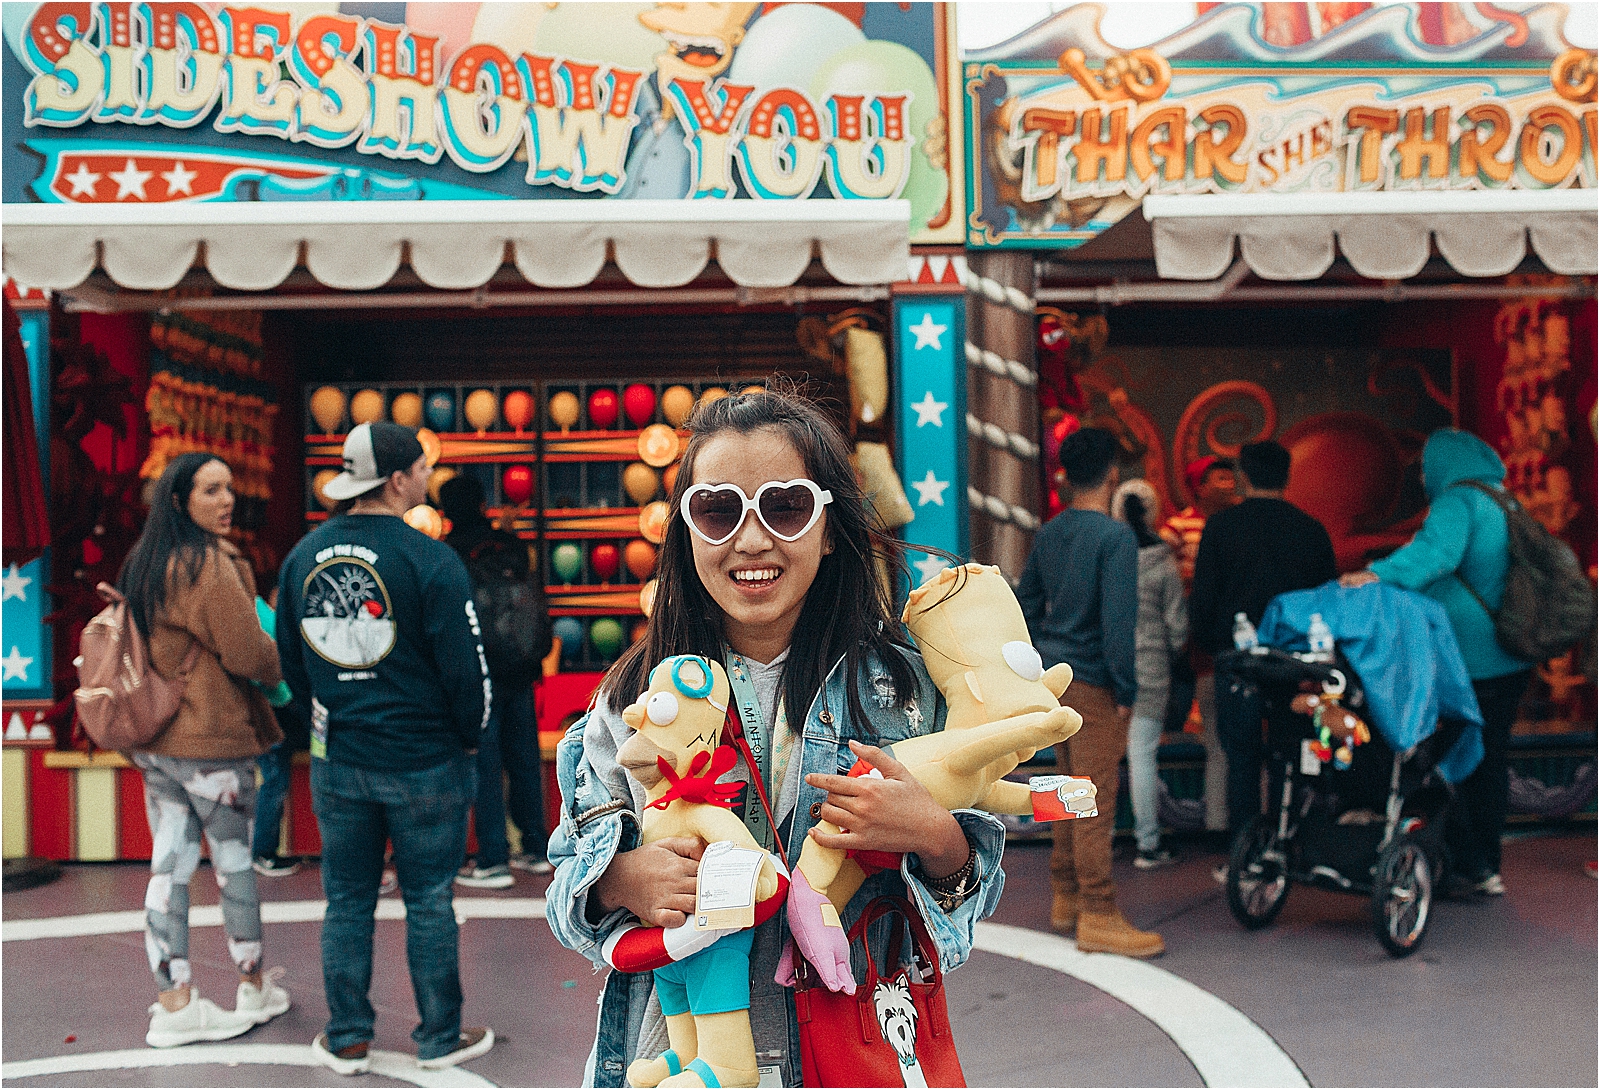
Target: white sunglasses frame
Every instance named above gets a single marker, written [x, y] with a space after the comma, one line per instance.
[822, 496]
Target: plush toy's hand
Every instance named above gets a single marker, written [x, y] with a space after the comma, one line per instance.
[815, 926]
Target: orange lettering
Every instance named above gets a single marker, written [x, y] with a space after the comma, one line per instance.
[1554, 172]
[1372, 123]
[1092, 151]
[1415, 147]
[1051, 125]
[1213, 155]
[1176, 121]
[1479, 152]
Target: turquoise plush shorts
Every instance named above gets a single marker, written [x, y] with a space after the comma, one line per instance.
[711, 981]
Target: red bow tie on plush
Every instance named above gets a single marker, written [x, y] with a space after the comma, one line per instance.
[699, 784]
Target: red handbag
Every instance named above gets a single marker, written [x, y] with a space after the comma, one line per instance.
[894, 1032]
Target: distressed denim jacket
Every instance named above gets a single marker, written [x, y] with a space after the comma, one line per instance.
[600, 818]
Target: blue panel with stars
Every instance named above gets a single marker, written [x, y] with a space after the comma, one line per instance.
[24, 638]
[932, 431]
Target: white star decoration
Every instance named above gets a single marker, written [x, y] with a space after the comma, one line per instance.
[179, 180]
[930, 490]
[130, 180]
[15, 665]
[929, 411]
[928, 567]
[82, 180]
[14, 585]
[927, 333]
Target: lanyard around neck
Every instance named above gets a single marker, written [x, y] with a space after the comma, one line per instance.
[745, 725]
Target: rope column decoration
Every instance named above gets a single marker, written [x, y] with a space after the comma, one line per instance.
[1002, 409]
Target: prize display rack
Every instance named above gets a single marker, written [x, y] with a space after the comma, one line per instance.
[580, 470]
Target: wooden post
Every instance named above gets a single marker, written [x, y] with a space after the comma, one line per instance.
[1002, 409]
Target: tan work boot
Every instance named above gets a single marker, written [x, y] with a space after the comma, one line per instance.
[1064, 913]
[1111, 933]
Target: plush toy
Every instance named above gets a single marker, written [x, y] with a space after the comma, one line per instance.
[702, 976]
[1333, 722]
[1003, 707]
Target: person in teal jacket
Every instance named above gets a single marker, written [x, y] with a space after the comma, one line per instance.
[1462, 548]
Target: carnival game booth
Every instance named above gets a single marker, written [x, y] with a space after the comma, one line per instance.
[1340, 226]
[237, 259]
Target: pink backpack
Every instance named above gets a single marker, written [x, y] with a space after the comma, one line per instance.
[122, 702]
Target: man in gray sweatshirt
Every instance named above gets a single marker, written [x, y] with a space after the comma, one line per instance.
[1080, 594]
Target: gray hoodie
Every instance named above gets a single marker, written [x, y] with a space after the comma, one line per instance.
[1161, 630]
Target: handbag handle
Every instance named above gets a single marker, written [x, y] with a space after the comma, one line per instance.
[894, 905]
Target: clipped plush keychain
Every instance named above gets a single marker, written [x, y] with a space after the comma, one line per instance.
[1333, 722]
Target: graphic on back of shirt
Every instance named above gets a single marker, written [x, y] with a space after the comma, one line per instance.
[347, 616]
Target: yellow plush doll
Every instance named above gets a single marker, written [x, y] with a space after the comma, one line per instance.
[1003, 707]
[702, 975]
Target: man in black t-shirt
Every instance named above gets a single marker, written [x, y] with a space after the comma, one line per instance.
[1250, 553]
[378, 635]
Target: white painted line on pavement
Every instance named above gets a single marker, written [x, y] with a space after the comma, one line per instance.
[210, 916]
[1225, 1046]
[397, 1066]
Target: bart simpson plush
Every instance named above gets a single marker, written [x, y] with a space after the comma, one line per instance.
[1003, 707]
[702, 976]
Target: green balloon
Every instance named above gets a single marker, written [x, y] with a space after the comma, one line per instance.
[605, 637]
[567, 560]
[889, 68]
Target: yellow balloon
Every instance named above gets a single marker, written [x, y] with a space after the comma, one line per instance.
[406, 410]
[564, 409]
[676, 402]
[366, 407]
[480, 409]
[322, 478]
[437, 478]
[327, 408]
[427, 520]
[640, 482]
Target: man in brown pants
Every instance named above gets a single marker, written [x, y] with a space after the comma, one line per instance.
[1079, 592]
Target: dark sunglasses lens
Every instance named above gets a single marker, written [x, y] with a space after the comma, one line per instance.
[787, 511]
[716, 513]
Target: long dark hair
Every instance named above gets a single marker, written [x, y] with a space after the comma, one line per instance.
[847, 612]
[169, 534]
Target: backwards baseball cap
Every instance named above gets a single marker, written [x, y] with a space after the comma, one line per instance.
[371, 453]
[1196, 471]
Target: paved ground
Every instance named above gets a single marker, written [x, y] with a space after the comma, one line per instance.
[1503, 992]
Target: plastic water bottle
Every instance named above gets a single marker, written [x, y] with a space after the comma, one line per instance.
[1244, 633]
[1321, 639]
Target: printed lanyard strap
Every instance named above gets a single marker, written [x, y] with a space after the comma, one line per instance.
[744, 727]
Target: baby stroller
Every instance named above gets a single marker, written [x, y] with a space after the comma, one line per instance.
[1370, 822]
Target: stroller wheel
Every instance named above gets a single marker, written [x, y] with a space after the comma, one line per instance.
[1258, 875]
[1402, 895]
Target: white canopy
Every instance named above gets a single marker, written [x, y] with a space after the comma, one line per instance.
[358, 246]
[1383, 235]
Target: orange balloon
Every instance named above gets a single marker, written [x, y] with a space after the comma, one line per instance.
[406, 410]
[322, 478]
[640, 482]
[517, 408]
[480, 409]
[669, 477]
[437, 478]
[640, 557]
[366, 407]
[647, 598]
[327, 408]
[653, 521]
[713, 393]
[427, 520]
[431, 447]
[676, 403]
[754, 388]
[658, 445]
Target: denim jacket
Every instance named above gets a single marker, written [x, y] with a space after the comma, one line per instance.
[600, 817]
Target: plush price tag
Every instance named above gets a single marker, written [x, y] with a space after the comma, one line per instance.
[725, 890]
[1310, 764]
[1057, 798]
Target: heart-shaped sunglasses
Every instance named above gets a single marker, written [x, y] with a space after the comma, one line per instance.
[786, 508]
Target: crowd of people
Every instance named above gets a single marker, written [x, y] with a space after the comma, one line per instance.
[388, 656]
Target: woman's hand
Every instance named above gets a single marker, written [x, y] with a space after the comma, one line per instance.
[655, 881]
[895, 814]
[1358, 579]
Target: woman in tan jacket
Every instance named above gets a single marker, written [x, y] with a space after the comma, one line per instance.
[188, 587]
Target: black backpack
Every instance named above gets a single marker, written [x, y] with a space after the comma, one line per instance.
[1549, 604]
[512, 613]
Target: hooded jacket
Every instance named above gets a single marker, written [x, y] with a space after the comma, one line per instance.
[1463, 538]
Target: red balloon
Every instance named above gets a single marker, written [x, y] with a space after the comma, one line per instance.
[516, 484]
[639, 402]
[603, 408]
[603, 559]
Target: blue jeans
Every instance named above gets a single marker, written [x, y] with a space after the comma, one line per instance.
[275, 765]
[1144, 737]
[510, 744]
[424, 814]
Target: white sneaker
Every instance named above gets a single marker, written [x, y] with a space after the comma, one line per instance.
[197, 1021]
[268, 1002]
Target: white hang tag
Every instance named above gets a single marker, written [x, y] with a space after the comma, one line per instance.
[1310, 764]
[725, 889]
